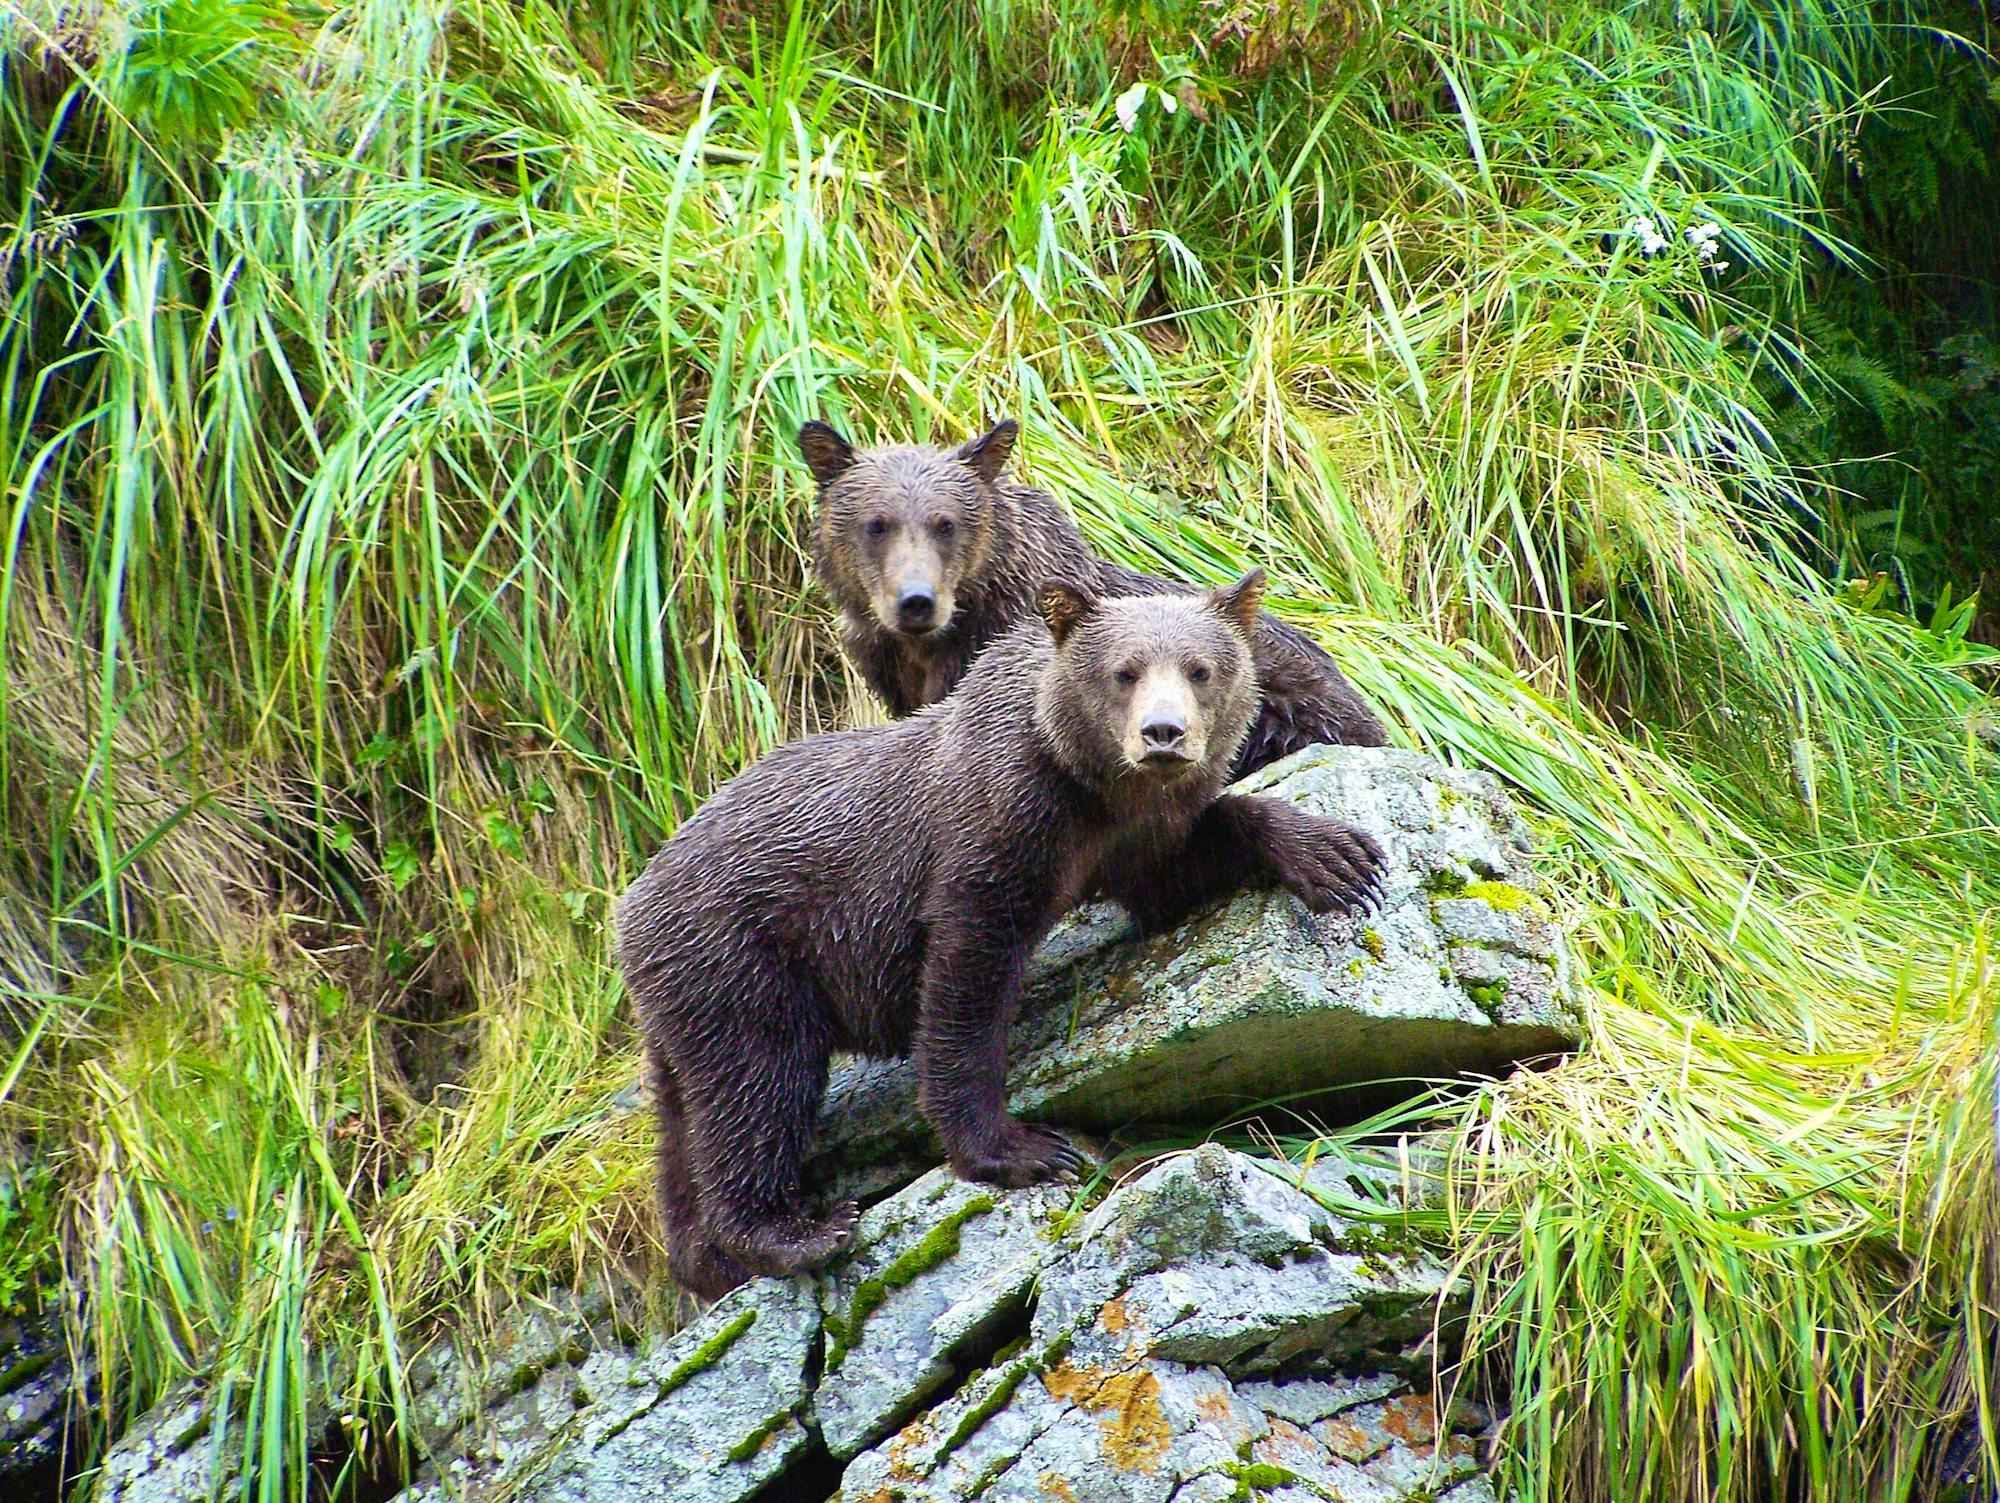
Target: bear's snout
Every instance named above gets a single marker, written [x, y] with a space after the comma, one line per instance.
[1163, 735]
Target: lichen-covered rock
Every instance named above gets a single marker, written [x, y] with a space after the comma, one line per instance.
[39, 1392]
[1259, 999]
[1208, 1329]
[467, 1380]
[1214, 1259]
[1137, 1378]
[175, 1453]
[1146, 1430]
[937, 1271]
[712, 1416]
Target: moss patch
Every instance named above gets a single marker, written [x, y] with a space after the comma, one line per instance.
[1504, 896]
[1259, 1477]
[31, 1367]
[756, 1440]
[996, 1399]
[939, 1243]
[1488, 994]
[708, 1353]
[1444, 884]
[1371, 941]
[699, 1360]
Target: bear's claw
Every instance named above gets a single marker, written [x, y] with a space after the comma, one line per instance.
[1329, 865]
[796, 1243]
[1025, 1155]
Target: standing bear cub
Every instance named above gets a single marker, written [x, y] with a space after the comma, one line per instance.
[931, 554]
[881, 890]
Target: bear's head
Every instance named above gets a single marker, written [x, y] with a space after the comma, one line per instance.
[1157, 687]
[903, 528]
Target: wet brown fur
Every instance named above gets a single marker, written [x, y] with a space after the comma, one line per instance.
[880, 891]
[985, 545]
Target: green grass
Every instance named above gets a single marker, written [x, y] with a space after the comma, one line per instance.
[400, 534]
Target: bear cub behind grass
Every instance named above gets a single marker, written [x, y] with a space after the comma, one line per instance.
[931, 554]
[881, 890]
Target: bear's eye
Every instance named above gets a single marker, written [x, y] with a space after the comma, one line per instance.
[1199, 674]
[1126, 677]
[876, 527]
[944, 527]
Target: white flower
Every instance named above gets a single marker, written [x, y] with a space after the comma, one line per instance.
[1126, 106]
[1704, 234]
[1651, 241]
[1167, 101]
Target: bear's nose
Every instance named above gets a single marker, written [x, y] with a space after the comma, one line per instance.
[916, 607]
[1162, 732]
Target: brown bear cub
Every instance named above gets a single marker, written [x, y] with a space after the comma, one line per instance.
[880, 891]
[930, 555]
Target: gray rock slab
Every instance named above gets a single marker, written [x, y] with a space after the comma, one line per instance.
[455, 1381]
[40, 1395]
[712, 1415]
[1208, 1330]
[1161, 1359]
[176, 1452]
[937, 1270]
[1212, 1258]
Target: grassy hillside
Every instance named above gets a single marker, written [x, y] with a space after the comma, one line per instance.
[401, 534]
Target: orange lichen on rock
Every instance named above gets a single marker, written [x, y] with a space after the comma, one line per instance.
[913, 1436]
[1113, 1317]
[1072, 1385]
[1136, 1430]
[1347, 1440]
[1056, 1487]
[1286, 1446]
[1412, 1419]
[1214, 1409]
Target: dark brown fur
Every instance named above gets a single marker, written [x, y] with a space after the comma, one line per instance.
[945, 521]
[881, 890]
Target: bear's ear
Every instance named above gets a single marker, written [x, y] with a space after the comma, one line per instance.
[1239, 602]
[826, 453]
[987, 454]
[1063, 606]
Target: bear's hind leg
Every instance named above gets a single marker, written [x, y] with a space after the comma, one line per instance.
[751, 1112]
[695, 1262]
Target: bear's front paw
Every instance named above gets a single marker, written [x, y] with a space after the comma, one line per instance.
[1330, 865]
[1022, 1155]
